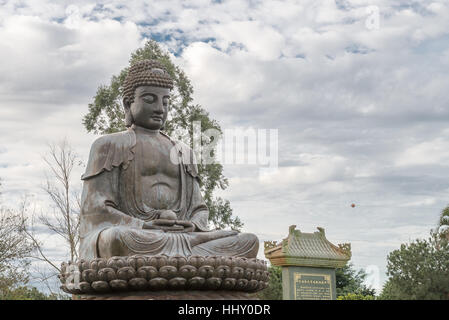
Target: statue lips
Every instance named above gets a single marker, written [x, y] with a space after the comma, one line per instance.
[156, 118]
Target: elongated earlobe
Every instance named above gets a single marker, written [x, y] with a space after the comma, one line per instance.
[128, 119]
[128, 116]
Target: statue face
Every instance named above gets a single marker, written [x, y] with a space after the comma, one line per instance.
[150, 107]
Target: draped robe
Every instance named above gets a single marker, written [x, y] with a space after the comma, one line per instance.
[112, 206]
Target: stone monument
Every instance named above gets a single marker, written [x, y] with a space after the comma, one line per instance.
[308, 262]
[143, 222]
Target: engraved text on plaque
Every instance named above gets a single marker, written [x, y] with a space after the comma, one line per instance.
[310, 286]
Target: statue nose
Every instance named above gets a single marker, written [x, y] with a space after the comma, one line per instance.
[159, 108]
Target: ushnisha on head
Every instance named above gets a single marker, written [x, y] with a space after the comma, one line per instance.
[146, 94]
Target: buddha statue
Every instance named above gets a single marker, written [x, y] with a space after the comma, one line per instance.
[136, 199]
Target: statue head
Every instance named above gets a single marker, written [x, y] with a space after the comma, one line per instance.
[146, 94]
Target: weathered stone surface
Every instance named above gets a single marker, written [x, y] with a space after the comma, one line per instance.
[170, 295]
[143, 221]
[141, 192]
[164, 273]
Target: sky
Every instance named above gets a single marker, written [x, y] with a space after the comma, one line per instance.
[357, 91]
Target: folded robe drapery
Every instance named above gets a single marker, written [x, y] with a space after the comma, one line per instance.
[112, 205]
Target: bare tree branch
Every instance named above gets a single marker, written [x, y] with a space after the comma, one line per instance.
[64, 219]
[61, 160]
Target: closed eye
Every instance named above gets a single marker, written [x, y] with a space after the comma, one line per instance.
[149, 98]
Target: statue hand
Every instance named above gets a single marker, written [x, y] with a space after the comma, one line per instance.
[167, 214]
[158, 224]
[188, 226]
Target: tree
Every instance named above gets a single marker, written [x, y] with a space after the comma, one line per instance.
[274, 289]
[106, 115]
[443, 223]
[64, 219]
[350, 281]
[356, 296]
[15, 250]
[389, 292]
[419, 270]
[26, 293]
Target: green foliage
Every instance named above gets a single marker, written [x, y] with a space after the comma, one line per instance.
[220, 212]
[356, 296]
[14, 249]
[106, 115]
[443, 224]
[389, 292]
[25, 293]
[274, 289]
[350, 281]
[419, 270]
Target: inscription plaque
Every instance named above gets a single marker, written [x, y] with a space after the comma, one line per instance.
[308, 262]
[310, 286]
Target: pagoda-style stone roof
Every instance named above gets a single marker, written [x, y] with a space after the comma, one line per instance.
[307, 250]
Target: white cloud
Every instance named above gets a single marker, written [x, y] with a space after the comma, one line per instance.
[435, 152]
[362, 114]
[315, 169]
[52, 72]
[49, 61]
[261, 41]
